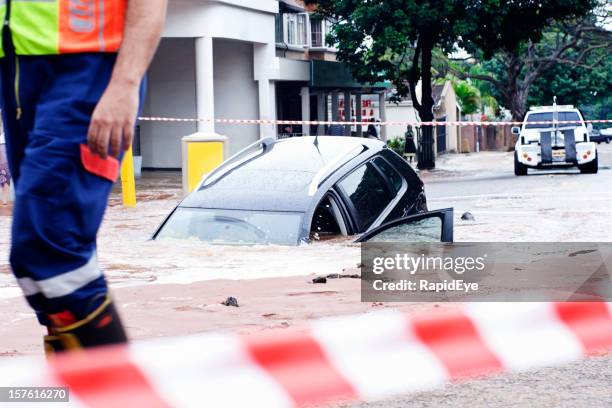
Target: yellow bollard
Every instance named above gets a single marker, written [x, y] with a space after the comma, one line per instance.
[201, 154]
[128, 183]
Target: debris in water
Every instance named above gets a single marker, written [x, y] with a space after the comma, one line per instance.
[467, 216]
[583, 252]
[343, 276]
[230, 301]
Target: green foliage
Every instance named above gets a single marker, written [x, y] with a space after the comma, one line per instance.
[397, 144]
[393, 40]
[490, 102]
[377, 38]
[570, 59]
[468, 95]
[589, 85]
[508, 25]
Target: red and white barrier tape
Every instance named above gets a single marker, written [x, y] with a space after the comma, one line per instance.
[387, 123]
[367, 357]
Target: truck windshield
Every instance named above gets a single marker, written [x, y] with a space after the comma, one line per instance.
[233, 226]
[548, 117]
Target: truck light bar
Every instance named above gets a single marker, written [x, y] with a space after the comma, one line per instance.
[536, 108]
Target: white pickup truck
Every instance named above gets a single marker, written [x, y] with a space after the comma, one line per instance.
[561, 141]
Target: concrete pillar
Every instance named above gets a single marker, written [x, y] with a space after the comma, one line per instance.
[264, 65]
[347, 112]
[334, 107]
[273, 111]
[205, 95]
[383, 115]
[358, 115]
[321, 109]
[265, 112]
[305, 94]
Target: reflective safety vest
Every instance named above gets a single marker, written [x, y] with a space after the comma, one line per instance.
[51, 27]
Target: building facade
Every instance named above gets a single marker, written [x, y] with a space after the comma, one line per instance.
[244, 59]
[216, 60]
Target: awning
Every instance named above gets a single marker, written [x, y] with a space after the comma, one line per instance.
[330, 75]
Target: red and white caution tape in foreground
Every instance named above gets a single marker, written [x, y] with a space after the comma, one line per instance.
[353, 123]
[368, 357]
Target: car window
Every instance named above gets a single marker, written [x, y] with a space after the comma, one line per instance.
[548, 117]
[233, 226]
[394, 177]
[327, 220]
[433, 226]
[367, 190]
[425, 230]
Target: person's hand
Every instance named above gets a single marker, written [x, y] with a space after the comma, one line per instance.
[113, 120]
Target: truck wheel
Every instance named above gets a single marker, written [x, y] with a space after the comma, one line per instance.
[607, 140]
[590, 167]
[519, 168]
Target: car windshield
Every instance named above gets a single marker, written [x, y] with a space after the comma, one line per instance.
[233, 226]
[548, 117]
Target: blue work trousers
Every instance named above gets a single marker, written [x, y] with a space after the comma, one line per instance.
[48, 102]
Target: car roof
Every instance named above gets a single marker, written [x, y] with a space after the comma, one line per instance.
[548, 109]
[279, 175]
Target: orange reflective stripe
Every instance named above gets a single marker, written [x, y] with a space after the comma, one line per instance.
[78, 26]
[91, 25]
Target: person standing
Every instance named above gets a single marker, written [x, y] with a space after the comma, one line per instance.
[5, 174]
[72, 77]
[372, 132]
[410, 147]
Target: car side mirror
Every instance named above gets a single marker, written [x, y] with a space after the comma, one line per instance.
[516, 130]
[433, 226]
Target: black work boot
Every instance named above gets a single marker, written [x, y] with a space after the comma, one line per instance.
[101, 327]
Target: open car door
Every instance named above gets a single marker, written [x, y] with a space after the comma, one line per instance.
[432, 226]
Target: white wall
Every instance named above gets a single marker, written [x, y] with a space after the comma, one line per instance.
[396, 113]
[236, 26]
[450, 107]
[292, 70]
[246, 20]
[170, 93]
[236, 92]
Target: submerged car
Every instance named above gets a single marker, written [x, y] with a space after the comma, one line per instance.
[295, 190]
[551, 137]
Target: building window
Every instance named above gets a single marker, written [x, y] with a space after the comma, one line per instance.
[291, 29]
[316, 28]
[297, 30]
[279, 28]
[301, 29]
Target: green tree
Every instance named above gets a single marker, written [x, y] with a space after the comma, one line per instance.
[393, 40]
[468, 95]
[569, 60]
[587, 85]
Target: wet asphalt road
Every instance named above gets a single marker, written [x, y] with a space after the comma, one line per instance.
[553, 206]
[586, 383]
[544, 206]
